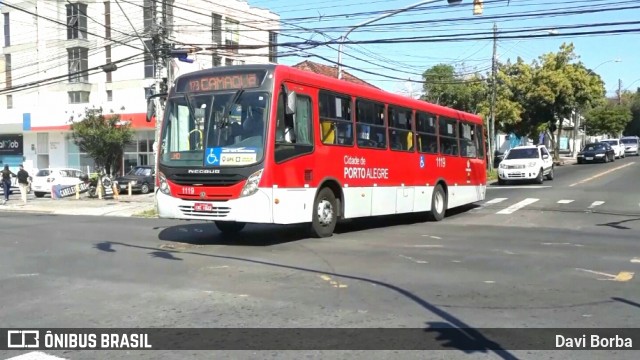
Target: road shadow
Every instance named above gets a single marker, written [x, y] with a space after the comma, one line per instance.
[478, 340]
[268, 235]
[628, 302]
[616, 224]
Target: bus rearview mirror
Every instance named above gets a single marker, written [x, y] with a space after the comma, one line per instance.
[151, 109]
[291, 103]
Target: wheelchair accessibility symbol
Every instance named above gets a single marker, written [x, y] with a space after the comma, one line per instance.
[212, 158]
[421, 161]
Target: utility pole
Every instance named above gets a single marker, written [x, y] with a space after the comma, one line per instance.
[619, 91]
[162, 66]
[576, 121]
[494, 64]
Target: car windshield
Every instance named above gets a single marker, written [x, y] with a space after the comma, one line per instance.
[593, 147]
[522, 154]
[215, 129]
[610, 142]
[629, 141]
[140, 172]
[43, 173]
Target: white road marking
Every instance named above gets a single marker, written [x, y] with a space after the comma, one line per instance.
[635, 260]
[436, 237]
[414, 260]
[25, 275]
[489, 282]
[595, 203]
[621, 276]
[565, 201]
[36, 355]
[495, 201]
[602, 174]
[456, 261]
[570, 244]
[517, 206]
[425, 246]
[519, 187]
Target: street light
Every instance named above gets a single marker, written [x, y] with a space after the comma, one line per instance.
[606, 62]
[344, 37]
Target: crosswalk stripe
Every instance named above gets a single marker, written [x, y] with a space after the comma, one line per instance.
[36, 355]
[495, 201]
[565, 201]
[596, 203]
[517, 206]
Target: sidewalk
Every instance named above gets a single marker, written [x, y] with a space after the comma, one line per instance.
[124, 207]
[565, 160]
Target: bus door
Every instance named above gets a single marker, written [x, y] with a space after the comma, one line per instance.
[293, 172]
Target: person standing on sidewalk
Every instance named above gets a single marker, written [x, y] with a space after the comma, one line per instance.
[6, 182]
[23, 183]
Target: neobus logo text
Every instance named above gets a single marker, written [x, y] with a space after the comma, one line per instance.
[203, 171]
[360, 171]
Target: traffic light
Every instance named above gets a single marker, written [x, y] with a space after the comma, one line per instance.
[477, 7]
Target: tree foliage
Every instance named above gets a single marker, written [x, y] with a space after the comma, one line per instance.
[609, 119]
[102, 137]
[632, 100]
[444, 85]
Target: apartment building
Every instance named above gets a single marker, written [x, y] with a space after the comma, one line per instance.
[55, 51]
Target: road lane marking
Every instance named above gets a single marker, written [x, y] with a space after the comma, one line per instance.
[622, 276]
[425, 246]
[24, 275]
[565, 201]
[520, 187]
[495, 201]
[333, 283]
[489, 282]
[517, 206]
[36, 355]
[414, 260]
[602, 174]
[570, 244]
[635, 260]
[595, 203]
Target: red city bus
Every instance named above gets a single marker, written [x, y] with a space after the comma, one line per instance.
[274, 144]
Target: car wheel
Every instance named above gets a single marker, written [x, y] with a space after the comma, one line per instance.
[550, 174]
[540, 178]
[144, 188]
[502, 182]
[38, 194]
[325, 214]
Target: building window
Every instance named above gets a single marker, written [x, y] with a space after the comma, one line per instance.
[78, 65]
[109, 95]
[107, 19]
[7, 70]
[107, 51]
[216, 29]
[228, 62]
[78, 97]
[147, 15]
[273, 46]
[149, 61]
[9, 101]
[76, 21]
[216, 61]
[232, 35]
[7, 30]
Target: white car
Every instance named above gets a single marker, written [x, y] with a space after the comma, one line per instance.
[618, 148]
[526, 163]
[44, 179]
[631, 145]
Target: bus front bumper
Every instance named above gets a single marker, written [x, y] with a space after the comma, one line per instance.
[251, 209]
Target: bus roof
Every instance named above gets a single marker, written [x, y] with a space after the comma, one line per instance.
[342, 86]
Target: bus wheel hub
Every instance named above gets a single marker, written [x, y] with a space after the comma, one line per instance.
[325, 212]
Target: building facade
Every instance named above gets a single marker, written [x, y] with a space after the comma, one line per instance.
[53, 61]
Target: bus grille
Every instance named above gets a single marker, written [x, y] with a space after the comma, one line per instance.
[207, 180]
[216, 212]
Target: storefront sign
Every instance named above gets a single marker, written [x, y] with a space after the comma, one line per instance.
[11, 144]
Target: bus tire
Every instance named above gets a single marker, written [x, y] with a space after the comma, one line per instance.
[230, 227]
[438, 204]
[325, 214]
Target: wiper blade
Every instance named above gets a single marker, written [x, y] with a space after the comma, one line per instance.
[227, 108]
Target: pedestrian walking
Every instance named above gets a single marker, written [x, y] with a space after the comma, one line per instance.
[6, 182]
[23, 183]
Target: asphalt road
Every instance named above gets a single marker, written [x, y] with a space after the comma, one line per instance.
[556, 261]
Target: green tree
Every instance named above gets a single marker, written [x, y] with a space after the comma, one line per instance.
[633, 101]
[609, 119]
[102, 137]
[444, 85]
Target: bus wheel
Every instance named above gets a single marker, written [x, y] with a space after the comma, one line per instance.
[230, 227]
[438, 203]
[325, 214]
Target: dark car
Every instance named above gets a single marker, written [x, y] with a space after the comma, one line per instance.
[141, 178]
[600, 152]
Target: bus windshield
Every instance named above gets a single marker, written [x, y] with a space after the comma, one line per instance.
[214, 129]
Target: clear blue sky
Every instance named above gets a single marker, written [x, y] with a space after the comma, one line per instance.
[409, 60]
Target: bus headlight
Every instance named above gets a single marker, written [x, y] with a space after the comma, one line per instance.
[251, 187]
[164, 186]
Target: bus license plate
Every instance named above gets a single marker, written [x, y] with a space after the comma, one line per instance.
[202, 207]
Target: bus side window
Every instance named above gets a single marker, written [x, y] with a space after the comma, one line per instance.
[480, 140]
[448, 136]
[427, 139]
[293, 132]
[335, 119]
[467, 140]
[370, 125]
[400, 134]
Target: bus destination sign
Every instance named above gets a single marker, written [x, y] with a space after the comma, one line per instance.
[212, 82]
